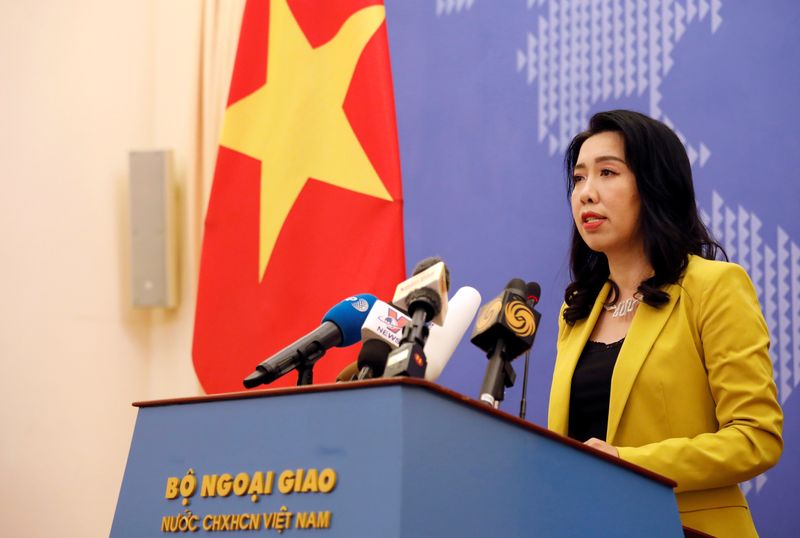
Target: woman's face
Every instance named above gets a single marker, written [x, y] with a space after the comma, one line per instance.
[605, 199]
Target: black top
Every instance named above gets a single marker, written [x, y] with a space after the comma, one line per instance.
[591, 390]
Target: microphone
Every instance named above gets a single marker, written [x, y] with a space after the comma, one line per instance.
[348, 373]
[341, 326]
[444, 340]
[426, 290]
[384, 322]
[504, 329]
[534, 291]
[424, 296]
[372, 359]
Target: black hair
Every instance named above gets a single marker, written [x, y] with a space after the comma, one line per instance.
[669, 221]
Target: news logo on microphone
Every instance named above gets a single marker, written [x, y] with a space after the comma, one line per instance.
[385, 322]
[358, 303]
[393, 320]
[519, 318]
[506, 318]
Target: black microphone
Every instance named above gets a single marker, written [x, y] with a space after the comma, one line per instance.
[372, 358]
[534, 291]
[504, 330]
[424, 296]
[341, 326]
[425, 291]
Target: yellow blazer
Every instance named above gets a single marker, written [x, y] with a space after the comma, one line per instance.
[692, 394]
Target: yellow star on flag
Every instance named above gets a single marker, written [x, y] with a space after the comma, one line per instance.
[295, 123]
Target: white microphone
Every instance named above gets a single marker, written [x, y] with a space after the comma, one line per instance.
[443, 340]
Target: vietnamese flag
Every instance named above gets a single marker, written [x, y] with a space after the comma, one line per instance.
[306, 204]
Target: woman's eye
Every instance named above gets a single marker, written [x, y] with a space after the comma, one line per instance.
[607, 172]
[576, 179]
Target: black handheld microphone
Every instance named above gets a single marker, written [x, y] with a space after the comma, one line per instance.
[424, 296]
[372, 358]
[425, 292]
[504, 329]
[534, 292]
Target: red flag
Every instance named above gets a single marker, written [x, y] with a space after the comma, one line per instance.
[306, 205]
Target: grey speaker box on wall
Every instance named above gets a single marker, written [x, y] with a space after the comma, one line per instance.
[153, 230]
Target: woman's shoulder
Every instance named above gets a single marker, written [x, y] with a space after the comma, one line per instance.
[702, 273]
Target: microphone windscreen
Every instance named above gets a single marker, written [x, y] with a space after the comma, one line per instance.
[374, 354]
[443, 340]
[518, 286]
[430, 262]
[349, 316]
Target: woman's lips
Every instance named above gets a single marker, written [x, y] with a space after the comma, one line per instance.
[591, 221]
[592, 224]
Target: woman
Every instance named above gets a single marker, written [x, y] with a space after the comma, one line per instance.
[662, 352]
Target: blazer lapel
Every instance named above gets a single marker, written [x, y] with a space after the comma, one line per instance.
[568, 355]
[645, 328]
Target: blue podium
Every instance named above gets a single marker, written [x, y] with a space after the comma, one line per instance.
[382, 458]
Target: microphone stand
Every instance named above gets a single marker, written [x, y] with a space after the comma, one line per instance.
[305, 375]
[305, 370]
[499, 376]
[523, 404]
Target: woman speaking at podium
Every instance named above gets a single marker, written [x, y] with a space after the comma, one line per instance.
[662, 352]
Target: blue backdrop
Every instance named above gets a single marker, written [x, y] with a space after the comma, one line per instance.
[488, 94]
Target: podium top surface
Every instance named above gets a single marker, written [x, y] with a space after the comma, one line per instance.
[419, 384]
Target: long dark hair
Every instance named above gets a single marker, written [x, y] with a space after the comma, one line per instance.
[669, 221]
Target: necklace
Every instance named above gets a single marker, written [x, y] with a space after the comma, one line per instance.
[623, 308]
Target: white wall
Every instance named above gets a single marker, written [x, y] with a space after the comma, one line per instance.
[83, 83]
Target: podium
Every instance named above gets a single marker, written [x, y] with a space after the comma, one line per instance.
[382, 458]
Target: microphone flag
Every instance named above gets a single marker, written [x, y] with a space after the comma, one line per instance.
[306, 203]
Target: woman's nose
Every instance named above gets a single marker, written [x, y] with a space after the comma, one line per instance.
[588, 193]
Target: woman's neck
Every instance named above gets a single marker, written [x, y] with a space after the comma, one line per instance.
[627, 270]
